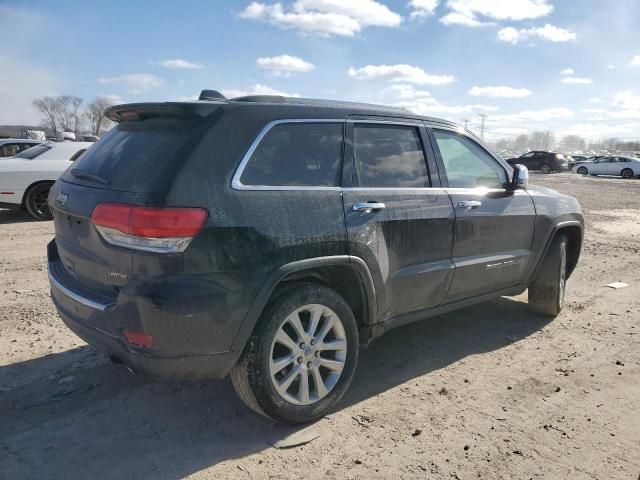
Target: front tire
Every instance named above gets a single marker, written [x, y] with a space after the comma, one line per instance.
[546, 168]
[546, 292]
[36, 201]
[627, 173]
[583, 171]
[300, 359]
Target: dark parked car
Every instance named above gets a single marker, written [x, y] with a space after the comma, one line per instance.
[268, 237]
[546, 162]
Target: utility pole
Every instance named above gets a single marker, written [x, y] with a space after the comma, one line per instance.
[466, 123]
[483, 116]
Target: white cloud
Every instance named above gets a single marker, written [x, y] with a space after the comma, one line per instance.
[610, 67]
[499, 92]
[284, 65]
[399, 73]
[548, 32]
[599, 130]
[635, 61]
[626, 100]
[20, 83]
[257, 89]
[594, 110]
[544, 115]
[325, 17]
[136, 82]
[577, 80]
[595, 100]
[422, 103]
[113, 99]
[179, 63]
[567, 71]
[423, 8]
[406, 90]
[474, 13]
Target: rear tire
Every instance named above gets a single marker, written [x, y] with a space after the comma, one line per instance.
[627, 173]
[289, 371]
[583, 171]
[546, 168]
[546, 292]
[35, 201]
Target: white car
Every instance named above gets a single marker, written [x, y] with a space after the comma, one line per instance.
[25, 179]
[625, 167]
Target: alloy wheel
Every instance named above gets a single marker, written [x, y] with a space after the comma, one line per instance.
[308, 354]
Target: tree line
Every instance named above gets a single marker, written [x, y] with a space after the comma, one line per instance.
[69, 113]
[546, 140]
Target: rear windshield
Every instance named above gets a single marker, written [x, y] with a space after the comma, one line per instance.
[132, 154]
[33, 152]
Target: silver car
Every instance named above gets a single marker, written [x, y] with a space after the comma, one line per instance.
[625, 167]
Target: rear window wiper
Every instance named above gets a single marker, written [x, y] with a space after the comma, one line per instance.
[79, 173]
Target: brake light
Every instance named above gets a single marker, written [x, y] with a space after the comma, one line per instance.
[151, 229]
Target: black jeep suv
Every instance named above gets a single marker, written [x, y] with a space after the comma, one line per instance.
[546, 162]
[268, 238]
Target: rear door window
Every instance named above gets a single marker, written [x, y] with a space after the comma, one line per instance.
[296, 155]
[33, 152]
[389, 156]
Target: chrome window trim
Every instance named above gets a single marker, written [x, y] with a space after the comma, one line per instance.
[236, 184]
[406, 123]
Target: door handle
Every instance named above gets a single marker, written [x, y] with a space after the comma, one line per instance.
[368, 207]
[469, 204]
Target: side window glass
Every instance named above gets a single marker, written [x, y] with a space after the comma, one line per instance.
[468, 165]
[389, 156]
[297, 154]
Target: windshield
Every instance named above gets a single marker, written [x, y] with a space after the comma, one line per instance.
[33, 152]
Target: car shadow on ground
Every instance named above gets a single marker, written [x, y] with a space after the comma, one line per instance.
[75, 408]
[10, 215]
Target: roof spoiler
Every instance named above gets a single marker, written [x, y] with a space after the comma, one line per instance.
[141, 111]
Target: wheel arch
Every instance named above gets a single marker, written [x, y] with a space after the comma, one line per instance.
[573, 229]
[31, 187]
[347, 275]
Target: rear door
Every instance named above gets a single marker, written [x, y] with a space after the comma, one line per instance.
[399, 220]
[494, 224]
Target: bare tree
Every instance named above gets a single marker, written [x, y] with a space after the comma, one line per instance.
[95, 114]
[49, 107]
[76, 103]
[542, 140]
[573, 142]
[521, 143]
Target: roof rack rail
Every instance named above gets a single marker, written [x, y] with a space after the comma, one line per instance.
[261, 99]
[211, 95]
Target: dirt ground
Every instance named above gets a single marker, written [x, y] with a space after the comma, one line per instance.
[492, 391]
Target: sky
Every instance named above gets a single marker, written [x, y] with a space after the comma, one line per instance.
[569, 66]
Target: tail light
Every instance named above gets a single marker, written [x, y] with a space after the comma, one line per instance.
[151, 229]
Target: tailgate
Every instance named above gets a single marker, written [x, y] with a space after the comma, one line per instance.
[86, 258]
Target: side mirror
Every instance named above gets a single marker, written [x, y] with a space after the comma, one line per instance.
[520, 176]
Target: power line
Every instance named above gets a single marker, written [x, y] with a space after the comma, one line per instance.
[483, 116]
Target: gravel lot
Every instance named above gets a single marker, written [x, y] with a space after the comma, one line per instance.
[491, 391]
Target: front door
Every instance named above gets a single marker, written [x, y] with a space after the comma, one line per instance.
[396, 221]
[494, 224]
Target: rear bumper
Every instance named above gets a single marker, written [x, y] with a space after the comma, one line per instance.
[173, 367]
[192, 335]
